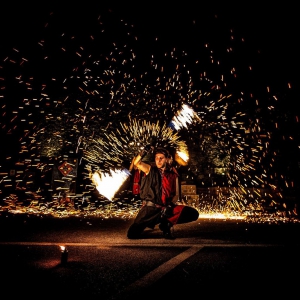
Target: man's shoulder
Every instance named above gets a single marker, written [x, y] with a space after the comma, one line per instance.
[174, 171]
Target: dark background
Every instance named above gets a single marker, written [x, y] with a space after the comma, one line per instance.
[263, 37]
[270, 29]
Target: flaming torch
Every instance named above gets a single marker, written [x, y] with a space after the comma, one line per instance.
[108, 184]
[183, 117]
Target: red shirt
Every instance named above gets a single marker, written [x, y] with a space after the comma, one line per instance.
[168, 186]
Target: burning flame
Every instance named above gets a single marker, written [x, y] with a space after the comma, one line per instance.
[182, 157]
[108, 184]
[184, 117]
[62, 248]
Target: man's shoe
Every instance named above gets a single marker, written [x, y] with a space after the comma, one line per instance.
[168, 235]
[166, 229]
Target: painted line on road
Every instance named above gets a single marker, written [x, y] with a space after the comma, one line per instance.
[157, 273]
[148, 244]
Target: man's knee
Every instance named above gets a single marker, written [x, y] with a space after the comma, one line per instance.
[135, 231]
[194, 213]
[188, 214]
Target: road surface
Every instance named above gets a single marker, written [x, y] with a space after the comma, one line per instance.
[209, 257]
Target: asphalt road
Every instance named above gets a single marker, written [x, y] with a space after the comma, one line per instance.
[209, 257]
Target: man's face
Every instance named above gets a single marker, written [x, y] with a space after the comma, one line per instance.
[160, 160]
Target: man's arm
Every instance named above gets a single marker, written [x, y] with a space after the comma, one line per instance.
[137, 160]
[144, 167]
[131, 165]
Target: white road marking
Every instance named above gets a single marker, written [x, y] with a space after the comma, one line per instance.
[163, 269]
[157, 273]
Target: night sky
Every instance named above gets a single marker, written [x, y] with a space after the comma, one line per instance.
[270, 44]
[271, 30]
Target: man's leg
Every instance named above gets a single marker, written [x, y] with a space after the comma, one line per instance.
[146, 217]
[187, 214]
[165, 226]
[135, 231]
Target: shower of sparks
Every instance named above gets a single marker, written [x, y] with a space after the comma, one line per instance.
[102, 155]
[125, 142]
[104, 105]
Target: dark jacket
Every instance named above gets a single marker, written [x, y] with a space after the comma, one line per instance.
[151, 186]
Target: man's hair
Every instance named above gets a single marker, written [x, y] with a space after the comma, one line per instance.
[163, 151]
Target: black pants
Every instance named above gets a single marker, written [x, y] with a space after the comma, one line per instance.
[149, 216]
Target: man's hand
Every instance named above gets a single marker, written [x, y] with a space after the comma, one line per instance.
[146, 150]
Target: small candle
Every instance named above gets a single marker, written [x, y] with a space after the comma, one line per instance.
[64, 255]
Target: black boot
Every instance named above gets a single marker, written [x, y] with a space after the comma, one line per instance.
[165, 227]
